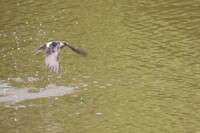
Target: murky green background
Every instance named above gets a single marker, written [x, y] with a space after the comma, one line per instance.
[142, 73]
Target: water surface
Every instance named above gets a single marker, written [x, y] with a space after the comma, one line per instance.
[142, 72]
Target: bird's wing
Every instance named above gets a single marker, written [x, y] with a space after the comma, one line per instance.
[40, 49]
[52, 58]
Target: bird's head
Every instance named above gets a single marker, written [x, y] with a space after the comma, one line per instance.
[63, 43]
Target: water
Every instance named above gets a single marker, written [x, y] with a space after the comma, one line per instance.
[141, 74]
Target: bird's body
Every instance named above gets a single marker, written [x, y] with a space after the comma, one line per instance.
[53, 52]
[52, 55]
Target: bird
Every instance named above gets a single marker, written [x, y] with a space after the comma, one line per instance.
[53, 53]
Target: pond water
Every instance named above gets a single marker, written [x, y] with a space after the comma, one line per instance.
[141, 74]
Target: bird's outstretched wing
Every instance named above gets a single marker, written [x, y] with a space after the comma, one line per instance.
[52, 58]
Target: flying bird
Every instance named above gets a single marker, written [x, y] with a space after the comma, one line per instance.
[53, 52]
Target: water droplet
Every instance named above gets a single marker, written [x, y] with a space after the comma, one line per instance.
[102, 87]
[99, 113]
[109, 84]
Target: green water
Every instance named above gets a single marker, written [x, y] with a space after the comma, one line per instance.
[141, 75]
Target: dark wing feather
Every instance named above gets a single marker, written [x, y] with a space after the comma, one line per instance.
[40, 49]
[52, 58]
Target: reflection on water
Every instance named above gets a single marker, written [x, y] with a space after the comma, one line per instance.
[141, 74]
[11, 94]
